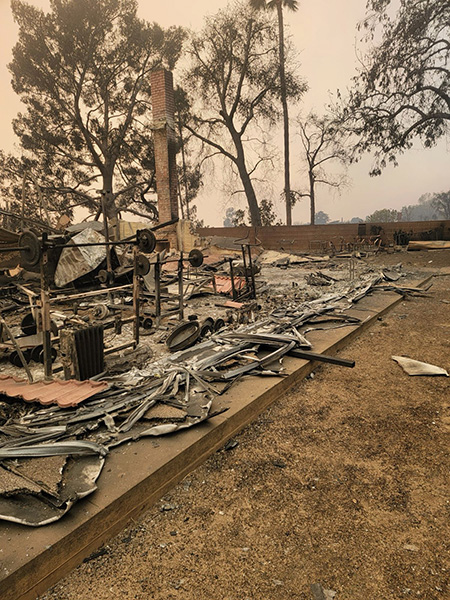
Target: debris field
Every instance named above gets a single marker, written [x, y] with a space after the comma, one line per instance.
[205, 352]
[165, 348]
[340, 487]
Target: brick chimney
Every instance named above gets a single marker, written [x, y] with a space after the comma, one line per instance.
[163, 108]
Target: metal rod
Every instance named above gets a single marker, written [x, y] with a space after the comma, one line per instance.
[233, 287]
[342, 362]
[86, 244]
[158, 290]
[18, 350]
[180, 287]
[244, 260]
[45, 317]
[118, 348]
[135, 297]
[166, 224]
[252, 274]
[88, 294]
[15, 249]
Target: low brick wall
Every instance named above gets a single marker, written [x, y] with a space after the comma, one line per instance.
[319, 237]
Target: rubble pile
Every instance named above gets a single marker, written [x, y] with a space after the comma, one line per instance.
[148, 342]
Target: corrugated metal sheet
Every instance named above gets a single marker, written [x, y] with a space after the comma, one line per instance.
[76, 261]
[63, 393]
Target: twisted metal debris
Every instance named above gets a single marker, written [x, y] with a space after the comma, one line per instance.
[191, 381]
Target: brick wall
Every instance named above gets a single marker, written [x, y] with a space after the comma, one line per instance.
[313, 237]
[163, 111]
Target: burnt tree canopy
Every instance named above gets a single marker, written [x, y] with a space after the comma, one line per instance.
[233, 80]
[324, 143]
[82, 72]
[402, 91]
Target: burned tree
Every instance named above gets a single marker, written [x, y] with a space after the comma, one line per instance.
[82, 71]
[278, 5]
[402, 91]
[233, 75]
[324, 143]
[189, 173]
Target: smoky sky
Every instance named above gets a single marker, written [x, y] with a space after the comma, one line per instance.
[325, 36]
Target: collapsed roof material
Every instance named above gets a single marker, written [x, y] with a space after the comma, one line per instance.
[63, 393]
[76, 261]
[174, 393]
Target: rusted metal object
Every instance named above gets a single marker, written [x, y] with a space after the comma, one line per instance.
[226, 285]
[183, 336]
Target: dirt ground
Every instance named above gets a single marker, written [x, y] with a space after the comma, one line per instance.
[343, 481]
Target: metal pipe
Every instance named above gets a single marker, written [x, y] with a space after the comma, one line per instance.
[252, 274]
[244, 260]
[305, 354]
[118, 348]
[158, 290]
[88, 294]
[45, 316]
[233, 287]
[15, 249]
[135, 296]
[180, 287]
[166, 224]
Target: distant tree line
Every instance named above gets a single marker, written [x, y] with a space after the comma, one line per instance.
[429, 207]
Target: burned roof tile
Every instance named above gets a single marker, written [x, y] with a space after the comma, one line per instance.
[64, 393]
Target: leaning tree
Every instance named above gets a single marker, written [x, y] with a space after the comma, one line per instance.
[402, 91]
[82, 72]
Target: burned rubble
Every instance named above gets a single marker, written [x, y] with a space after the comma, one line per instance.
[148, 341]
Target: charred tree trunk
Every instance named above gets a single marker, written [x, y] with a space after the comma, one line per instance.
[108, 192]
[287, 174]
[253, 207]
[312, 198]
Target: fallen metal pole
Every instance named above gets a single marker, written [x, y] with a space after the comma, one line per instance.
[89, 294]
[45, 318]
[180, 288]
[333, 360]
[136, 298]
[233, 286]
[165, 224]
[158, 289]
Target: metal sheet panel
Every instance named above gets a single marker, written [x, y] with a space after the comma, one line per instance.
[77, 261]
